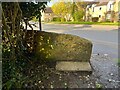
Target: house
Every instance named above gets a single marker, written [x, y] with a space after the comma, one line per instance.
[117, 9]
[104, 11]
[47, 15]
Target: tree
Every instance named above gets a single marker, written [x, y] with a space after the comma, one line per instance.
[12, 45]
[78, 8]
[78, 15]
[62, 9]
[31, 10]
[74, 9]
[82, 7]
[68, 11]
[59, 8]
[13, 49]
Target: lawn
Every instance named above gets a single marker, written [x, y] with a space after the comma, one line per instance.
[89, 23]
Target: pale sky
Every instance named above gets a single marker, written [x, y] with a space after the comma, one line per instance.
[54, 1]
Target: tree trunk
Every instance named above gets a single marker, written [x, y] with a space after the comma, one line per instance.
[26, 23]
[40, 27]
[84, 14]
[73, 10]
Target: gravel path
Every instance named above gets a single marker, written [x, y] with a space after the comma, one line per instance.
[104, 75]
[105, 70]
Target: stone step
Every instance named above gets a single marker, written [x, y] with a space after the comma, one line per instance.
[73, 66]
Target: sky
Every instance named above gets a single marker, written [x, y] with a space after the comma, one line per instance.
[54, 1]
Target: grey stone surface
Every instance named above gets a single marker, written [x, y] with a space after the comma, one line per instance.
[73, 66]
[0, 75]
[59, 47]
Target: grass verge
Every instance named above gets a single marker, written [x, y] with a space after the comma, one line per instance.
[88, 23]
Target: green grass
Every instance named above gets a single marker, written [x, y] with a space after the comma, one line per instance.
[89, 23]
[119, 62]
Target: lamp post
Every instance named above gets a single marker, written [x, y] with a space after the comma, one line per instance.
[40, 26]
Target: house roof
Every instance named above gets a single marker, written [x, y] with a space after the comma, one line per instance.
[102, 4]
[48, 10]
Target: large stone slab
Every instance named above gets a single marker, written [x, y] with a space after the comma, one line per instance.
[73, 66]
[62, 47]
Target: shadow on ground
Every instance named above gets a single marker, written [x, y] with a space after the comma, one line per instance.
[104, 75]
[83, 26]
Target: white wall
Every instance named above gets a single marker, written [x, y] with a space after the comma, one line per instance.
[110, 6]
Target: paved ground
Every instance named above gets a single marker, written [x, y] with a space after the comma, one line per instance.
[104, 38]
[104, 54]
[104, 75]
[105, 49]
[103, 60]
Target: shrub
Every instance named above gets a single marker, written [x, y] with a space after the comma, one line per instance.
[62, 19]
[107, 20]
[57, 19]
[78, 16]
[35, 19]
[95, 19]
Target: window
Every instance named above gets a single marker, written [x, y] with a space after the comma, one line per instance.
[93, 9]
[99, 16]
[119, 17]
[48, 14]
[87, 9]
[110, 7]
[100, 8]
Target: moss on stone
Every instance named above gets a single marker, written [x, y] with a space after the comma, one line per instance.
[53, 46]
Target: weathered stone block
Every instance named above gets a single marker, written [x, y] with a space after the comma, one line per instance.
[64, 47]
[73, 66]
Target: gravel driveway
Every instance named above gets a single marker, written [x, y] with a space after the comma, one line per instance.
[104, 75]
